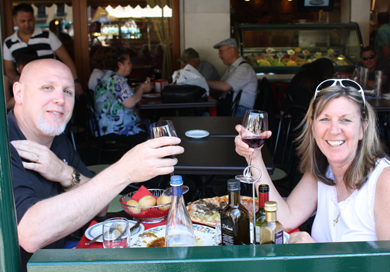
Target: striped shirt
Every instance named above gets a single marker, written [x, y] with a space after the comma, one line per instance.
[43, 41]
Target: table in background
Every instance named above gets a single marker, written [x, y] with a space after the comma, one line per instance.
[219, 126]
[379, 105]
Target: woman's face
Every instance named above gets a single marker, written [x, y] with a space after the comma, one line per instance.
[337, 131]
[125, 67]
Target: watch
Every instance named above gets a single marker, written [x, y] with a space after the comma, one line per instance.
[76, 80]
[76, 177]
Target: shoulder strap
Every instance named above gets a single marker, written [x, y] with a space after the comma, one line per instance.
[244, 61]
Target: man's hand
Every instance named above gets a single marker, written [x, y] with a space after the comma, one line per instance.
[43, 161]
[148, 160]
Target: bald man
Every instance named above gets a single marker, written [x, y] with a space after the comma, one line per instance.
[55, 194]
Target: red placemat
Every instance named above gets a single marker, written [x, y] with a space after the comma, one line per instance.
[84, 239]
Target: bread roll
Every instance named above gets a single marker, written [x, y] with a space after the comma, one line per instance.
[147, 201]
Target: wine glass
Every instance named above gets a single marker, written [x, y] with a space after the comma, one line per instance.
[253, 132]
[255, 125]
[161, 129]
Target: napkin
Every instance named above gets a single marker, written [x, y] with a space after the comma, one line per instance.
[142, 191]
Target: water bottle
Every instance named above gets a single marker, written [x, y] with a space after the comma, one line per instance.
[179, 231]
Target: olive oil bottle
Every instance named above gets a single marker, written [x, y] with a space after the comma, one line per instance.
[260, 215]
[271, 231]
[235, 225]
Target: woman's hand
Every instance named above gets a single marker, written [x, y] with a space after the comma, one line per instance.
[243, 149]
[145, 87]
[300, 238]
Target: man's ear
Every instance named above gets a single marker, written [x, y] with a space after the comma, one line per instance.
[18, 94]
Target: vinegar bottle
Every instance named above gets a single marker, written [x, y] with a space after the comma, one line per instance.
[179, 231]
[235, 225]
[260, 215]
[271, 231]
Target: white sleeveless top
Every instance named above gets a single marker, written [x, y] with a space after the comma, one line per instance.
[349, 220]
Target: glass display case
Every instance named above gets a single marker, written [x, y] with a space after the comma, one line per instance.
[283, 49]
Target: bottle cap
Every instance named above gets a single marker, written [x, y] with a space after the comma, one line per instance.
[176, 181]
[263, 188]
[233, 185]
[270, 206]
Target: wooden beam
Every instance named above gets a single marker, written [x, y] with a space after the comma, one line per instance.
[81, 41]
[175, 34]
[8, 21]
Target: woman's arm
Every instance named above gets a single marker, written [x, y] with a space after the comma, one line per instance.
[382, 205]
[301, 203]
[136, 97]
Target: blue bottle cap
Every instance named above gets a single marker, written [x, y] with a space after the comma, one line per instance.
[176, 181]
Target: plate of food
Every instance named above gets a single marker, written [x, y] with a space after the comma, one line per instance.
[155, 237]
[97, 229]
[152, 95]
[197, 133]
[205, 211]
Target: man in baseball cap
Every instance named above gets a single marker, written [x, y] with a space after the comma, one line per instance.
[207, 70]
[239, 76]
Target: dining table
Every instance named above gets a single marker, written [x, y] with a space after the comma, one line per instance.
[380, 105]
[218, 126]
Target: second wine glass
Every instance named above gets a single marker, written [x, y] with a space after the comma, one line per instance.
[253, 133]
[164, 128]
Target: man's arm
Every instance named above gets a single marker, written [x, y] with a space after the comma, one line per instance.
[385, 53]
[65, 58]
[219, 85]
[10, 70]
[52, 219]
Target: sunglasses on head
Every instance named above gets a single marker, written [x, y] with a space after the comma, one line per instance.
[345, 83]
[369, 57]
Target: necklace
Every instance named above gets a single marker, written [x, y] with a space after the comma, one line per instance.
[336, 220]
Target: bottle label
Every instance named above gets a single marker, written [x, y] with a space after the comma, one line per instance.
[227, 237]
[257, 233]
[279, 238]
[177, 190]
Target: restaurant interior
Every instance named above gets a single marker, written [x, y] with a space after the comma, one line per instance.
[277, 37]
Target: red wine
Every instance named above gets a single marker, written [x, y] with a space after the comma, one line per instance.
[254, 141]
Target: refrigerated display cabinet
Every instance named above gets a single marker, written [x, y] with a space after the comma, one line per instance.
[283, 49]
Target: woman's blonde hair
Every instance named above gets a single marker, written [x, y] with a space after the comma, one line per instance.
[369, 149]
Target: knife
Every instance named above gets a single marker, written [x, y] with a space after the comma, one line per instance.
[112, 228]
[135, 227]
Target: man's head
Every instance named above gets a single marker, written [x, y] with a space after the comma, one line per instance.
[44, 99]
[190, 56]
[227, 51]
[24, 18]
[24, 56]
[369, 58]
[383, 18]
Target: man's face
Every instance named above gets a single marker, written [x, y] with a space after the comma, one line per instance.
[47, 97]
[225, 53]
[369, 59]
[25, 22]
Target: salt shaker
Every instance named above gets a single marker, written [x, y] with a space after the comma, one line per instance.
[378, 83]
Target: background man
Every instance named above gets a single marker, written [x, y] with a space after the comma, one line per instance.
[239, 76]
[54, 192]
[370, 60]
[382, 40]
[207, 70]
[44, 42]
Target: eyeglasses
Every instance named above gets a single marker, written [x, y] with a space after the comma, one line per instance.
[221, 51]
[369, 57]
[343, 83]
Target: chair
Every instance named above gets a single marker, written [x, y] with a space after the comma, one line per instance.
[281, 91]
[236, 103]
[103, 145]
[284, 157]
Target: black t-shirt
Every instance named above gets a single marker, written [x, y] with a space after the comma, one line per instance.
[30, 187]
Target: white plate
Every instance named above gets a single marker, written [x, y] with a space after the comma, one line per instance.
[97, 229]
[197, 133]
[204, 236]
[152, 95]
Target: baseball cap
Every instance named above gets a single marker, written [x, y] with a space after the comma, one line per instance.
[228, 42]
[189, 53]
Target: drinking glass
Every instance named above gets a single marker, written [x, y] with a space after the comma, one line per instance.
[255, 125]
[161, 129]
[116, 233]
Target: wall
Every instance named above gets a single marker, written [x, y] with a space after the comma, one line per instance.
[206, 23]
[357, 11]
